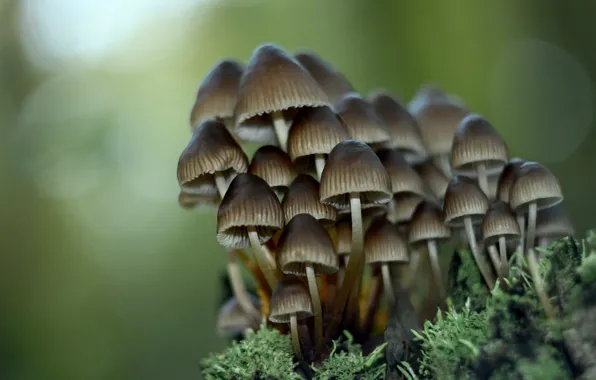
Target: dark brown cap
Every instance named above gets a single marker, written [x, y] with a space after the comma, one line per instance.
[507, 178]
[274, 166]
[438, 122]
[464, 198]
[233, 320]
[434, 179]
[383, 244]
[249, 202]
[404, 178]
[361, 120]
[499, 221]
[290, 298]
[368, 210]
[554, 222]
[427, 224]
[274, 81]
[197, 201]
[217, 95]
[352, 167]
[402, 127]
[477, 142]
[535, 184]
[403, 206]
[304, 241]
[211, 149]
[333, 83]
[303, 198]
[314, 131]
[343, 230]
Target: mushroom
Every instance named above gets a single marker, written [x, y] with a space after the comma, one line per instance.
[478, 150]
[217, 94]
[404, 179]
[498, 226]
[505, 183]
[249, 215]
[431, 93]
[436, 181]
[305, 249]
[465, 204]
[343, 232]
[333, 83]
[552, 224]
[361, 120]
[303, 198]
[402, 127]
[353, 176]
[401, 209]
[314, 132]
[232, 319]
[274, 82]
[190, 201]
[290, 303]
[275, 167]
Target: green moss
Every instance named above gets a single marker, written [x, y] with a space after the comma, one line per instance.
[465, 283]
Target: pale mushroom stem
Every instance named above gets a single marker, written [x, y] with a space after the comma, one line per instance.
[521, 220]
[316, 305]
[281, 129]
[343, 262]
[296, 338]
[239, 288]
[494, 257]
[531, 235]
[265, 261]
[538, 285]
[503, 254]
[373, 304]
[412, 268]
[319, 164]
[482, 265]
[442, 163]
[221, 183]
[433, 254]
[482, 177]
[387, 285]
[353, 269]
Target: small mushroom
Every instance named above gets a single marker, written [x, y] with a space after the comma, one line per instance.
[506, 179]
[190, 201]
[361, 120]
[232, 320]
[303, 198]
[404, 179]
[552, 224]
[436, 181]
[333, 83]
[498, 226]
[401, 209]
[275, 167]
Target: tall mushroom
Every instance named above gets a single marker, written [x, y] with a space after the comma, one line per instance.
[361, 120]
[498, 226]
[275, 167]
[305, 249]
[274, 82]
[506, 179]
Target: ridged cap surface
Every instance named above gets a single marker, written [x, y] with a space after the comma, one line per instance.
[249, 202]
[535, 183]
[464, 198]
[290, 297]
[434, 179]
[427, 224]
[438, 122]
[507, 178]
[361, 120]
[334, 84]
[403, 206]
[303, 198]
[499, 221]
[404, 178]
[274, 166]
[383, 243]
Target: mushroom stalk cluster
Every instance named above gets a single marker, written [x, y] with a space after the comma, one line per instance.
[347, 193]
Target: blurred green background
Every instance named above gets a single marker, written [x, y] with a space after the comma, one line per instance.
[102, 275]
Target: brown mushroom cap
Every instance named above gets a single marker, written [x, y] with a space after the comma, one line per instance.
[464, 198]
[554, 222]
[314, 131]
[404, 178]
[431, 93]
[427, 224]
[304, 241]
[343, 230]
[383, 243]
[507, 178]
[274, 81]
[402, 127]
[351, 167]
[361, 120]
[217, 94]
[535, 184]
[499, 221]
[232, 319]
[274, 166]
[290, 297]
[477, 142]
[438, 121]
[403, 207]
[249, 202]
[434, 179]
[303, 198]
[197, 201]
[211, 149]
[334, 84]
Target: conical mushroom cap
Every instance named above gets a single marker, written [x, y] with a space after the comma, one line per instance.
[507, 178]
[218, 93]
[383, 243]
[304, 241]
[554, 222]
[535, 184]
[334, 84]
[290, 297]
[403, 206]
[404, 178]
[477, 142]
[232, 320]
[427, 224]
[198, 202]
[274, 166]
[361, 120]
[274, 81]
[211, 149]
[249, 202]
[464, 198]
[431, 93]
[303, 198]
[402, 127]
[352, 167]
[434, 179]
[438, 122]
[499, 221]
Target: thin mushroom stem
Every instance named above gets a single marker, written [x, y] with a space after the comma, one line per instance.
[482, 177]
[521, 220]
[238, 287]
[221, 183]
[482, 264]
[433, 255]
[412, 269]
[316, 305]
[494, 257]
[296, 338]
[387, 285]
[354, 267]
[503, 254]
[531, 235]
[373, 304]
[319, 164]
[442, 163]
[263, 258]
[538, 285]
[281, 129]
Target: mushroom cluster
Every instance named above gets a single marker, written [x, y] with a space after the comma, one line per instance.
[348, 192]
